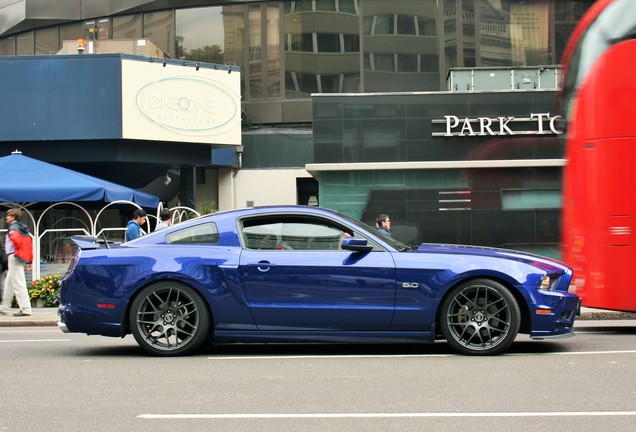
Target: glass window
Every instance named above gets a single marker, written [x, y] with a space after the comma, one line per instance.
[367, 25]
[330, 83]
[348, 6]
[531, 199]
[25, 43]
[7, 46]
[159, 29]
[255, 67]
[302, 5]
[234, 36]
[328, 42]
[206, 233]
[429, 63]
[302, 42]
[406, 24]
[200, 34]
[530, 33]
[351, 43]
[301, 82]
[407, 62]
[71, 32]
[127, 27]
[274, 54]
[325, 5]
[383, 62]
[367, 61]
[426, 26]
[290, 234]
[90, 30]
[384, 24]
[103, 28]
[47, 41]
[351, 83]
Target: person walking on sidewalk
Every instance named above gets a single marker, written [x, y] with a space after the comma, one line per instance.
[19, 249]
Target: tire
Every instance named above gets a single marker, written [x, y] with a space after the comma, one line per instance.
[169, 319]
[480, 317]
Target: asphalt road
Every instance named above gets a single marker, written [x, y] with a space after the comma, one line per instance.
[69, 382]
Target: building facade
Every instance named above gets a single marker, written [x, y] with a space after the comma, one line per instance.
[344, 52]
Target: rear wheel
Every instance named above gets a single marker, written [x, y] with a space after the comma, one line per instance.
[480, 317]
[169, 319]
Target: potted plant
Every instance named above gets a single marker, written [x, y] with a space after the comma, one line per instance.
[45, 292]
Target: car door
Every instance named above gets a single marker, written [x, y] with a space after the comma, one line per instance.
[295, 277]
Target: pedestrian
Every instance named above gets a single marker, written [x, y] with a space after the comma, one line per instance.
[384, 224]
[18, 246]
[133, 230]
[4, 266]
[165, 220]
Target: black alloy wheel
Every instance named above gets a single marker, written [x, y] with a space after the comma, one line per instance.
[480, 317]
[169, 319]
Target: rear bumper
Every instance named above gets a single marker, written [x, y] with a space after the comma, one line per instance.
[73, 320]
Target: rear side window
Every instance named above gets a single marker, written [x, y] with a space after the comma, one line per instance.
[206, 233]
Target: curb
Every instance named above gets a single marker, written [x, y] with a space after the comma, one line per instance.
[28, 323]
[606, 315]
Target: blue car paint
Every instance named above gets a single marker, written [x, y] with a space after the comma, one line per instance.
[298, 300]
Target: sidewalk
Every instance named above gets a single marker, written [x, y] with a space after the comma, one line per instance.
[48, 317]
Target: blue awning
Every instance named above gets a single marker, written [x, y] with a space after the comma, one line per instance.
[23, 179]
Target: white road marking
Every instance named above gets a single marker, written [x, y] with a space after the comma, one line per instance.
[581, 353]
[380, 356]
[34, 340]
[390, 415]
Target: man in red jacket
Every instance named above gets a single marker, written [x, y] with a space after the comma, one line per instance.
[19, 253]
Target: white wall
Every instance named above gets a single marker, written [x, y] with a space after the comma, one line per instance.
[263, 187]
[208, 193]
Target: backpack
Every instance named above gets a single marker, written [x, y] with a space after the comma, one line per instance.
[22, 242]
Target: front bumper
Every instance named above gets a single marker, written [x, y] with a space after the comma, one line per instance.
[555, 319]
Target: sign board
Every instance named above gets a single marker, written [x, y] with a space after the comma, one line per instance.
[169, 102]
[535, 124]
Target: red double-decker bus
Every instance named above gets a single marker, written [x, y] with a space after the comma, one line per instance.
[599, 185]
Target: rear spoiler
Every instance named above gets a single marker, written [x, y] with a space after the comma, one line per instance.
[87, 242]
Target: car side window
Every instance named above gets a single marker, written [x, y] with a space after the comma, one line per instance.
[290, 233]
[206, 233]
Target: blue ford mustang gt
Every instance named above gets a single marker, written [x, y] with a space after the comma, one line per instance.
[305, 274]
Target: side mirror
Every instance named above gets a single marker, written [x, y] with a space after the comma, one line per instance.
[356, 244]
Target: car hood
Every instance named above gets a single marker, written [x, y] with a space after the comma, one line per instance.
[542, 262]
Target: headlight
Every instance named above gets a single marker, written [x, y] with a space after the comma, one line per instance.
[548, 282]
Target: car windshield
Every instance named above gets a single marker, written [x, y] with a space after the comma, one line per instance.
[390, 240]
[613, 25]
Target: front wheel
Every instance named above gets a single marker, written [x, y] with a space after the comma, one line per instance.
[480, 317]
[169, 319]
